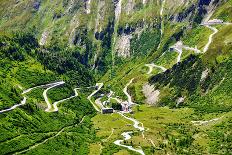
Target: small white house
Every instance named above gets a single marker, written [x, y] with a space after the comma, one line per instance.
[126, 107]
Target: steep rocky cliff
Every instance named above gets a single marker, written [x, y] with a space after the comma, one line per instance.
[98, 26]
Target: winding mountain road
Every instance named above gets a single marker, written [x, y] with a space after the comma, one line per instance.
[178, 48]
[23, 102]
[49, 108]
[215, 31]
[205, 122]
[127, 94]
[112, 132]
[191, 49]
[99, 103]
[152, 65]
[117, 99]
[15, 106]
[136, 123]
[179, 56]
[179, 45]
[43, 142]
[114, 98]
[127, 136]
[57, 102]
[55, 108]
[99, 86]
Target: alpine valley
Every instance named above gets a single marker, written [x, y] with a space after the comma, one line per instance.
[115, 77]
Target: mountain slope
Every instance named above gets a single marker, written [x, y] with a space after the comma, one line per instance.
[170, 59]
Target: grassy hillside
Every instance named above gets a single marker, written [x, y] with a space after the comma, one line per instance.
[29, 125]
[76, 41]
[199, 125]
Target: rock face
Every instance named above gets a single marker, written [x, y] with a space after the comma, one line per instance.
[152, 96]
[186, 14]
[100, 16]
[179, 101]
[88, 7]
[198, 12]
[123, 46]
[73, 26]
[129, 6]
[204, 75]
[118, 10]
[102, 26]
[44, 38]
[144, 2]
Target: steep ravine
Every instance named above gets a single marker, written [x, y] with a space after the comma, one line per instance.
[117, 15]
